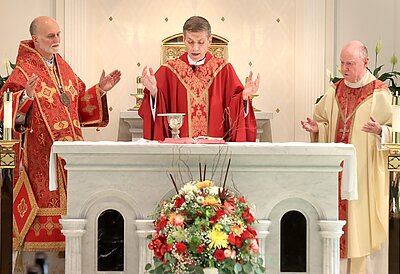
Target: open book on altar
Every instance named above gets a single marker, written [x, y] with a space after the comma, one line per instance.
[196, 140]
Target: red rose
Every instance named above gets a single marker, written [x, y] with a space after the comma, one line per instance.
[179, 201]
[247, 216]
[219, 255]
[242, 200]
[200, 249]
[238, 242]
[252, 231]
[162, 223]
[180, 247]
[246, 235]
[231, 239]
[219, 213]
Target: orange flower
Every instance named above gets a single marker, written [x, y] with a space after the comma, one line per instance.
[210, 201]
[204, 184]
[237, 229]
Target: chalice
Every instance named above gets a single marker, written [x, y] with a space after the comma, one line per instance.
[175, 121]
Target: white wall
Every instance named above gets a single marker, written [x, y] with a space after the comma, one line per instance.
[135, 33]
[368, 21]
[15, 17]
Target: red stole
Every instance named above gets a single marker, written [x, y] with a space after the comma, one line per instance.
[348, 99]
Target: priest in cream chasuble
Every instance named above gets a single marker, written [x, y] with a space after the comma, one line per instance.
[357, 110]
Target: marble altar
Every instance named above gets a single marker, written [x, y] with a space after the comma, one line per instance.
[131, 177]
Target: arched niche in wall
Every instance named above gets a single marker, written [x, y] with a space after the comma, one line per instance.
[110, 241]
[293, 242]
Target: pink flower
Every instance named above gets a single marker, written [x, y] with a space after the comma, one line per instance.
[229, 253]
[254, 246]
[176, 219]
[230, 206]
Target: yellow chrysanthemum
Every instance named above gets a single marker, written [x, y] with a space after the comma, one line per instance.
[219, 239]
[204, 184]
[210, 201]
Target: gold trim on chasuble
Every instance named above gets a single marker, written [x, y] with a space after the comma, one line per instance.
[196, 92]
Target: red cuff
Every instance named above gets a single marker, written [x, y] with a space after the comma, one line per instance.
[24, 107]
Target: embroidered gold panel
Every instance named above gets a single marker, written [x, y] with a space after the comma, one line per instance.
[173, 47]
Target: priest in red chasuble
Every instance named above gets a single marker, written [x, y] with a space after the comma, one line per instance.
[357, 110]
[203, 87]
[50, 103]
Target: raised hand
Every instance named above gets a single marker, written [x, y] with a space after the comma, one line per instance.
[30, 85]
[149, 81]
[251, 86]
[108, 82]
[310, 125]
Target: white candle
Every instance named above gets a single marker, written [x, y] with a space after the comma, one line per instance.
[7, 109]
[395, 118]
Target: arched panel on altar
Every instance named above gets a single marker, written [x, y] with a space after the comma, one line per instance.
[129, 209]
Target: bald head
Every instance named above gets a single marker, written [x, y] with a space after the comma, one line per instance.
[40, 21]
[45, 34]
[357, 48]
[354, 61]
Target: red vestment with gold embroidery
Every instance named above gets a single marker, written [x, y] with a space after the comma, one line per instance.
[210, 96]
[36, 208]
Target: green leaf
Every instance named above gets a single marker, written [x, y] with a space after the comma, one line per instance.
[260, 261]
[377, 70]
[237, 268]
[12, 65]
[147, 267]
[248, 267]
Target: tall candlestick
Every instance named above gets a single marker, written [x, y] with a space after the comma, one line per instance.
[7, 113]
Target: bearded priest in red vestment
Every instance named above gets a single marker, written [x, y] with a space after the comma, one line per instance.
[357, 110]
[203, 87]
[50, 103]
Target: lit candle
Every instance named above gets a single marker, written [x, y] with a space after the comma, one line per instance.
[7, 112]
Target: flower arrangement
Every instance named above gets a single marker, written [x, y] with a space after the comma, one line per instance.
[203, 226]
